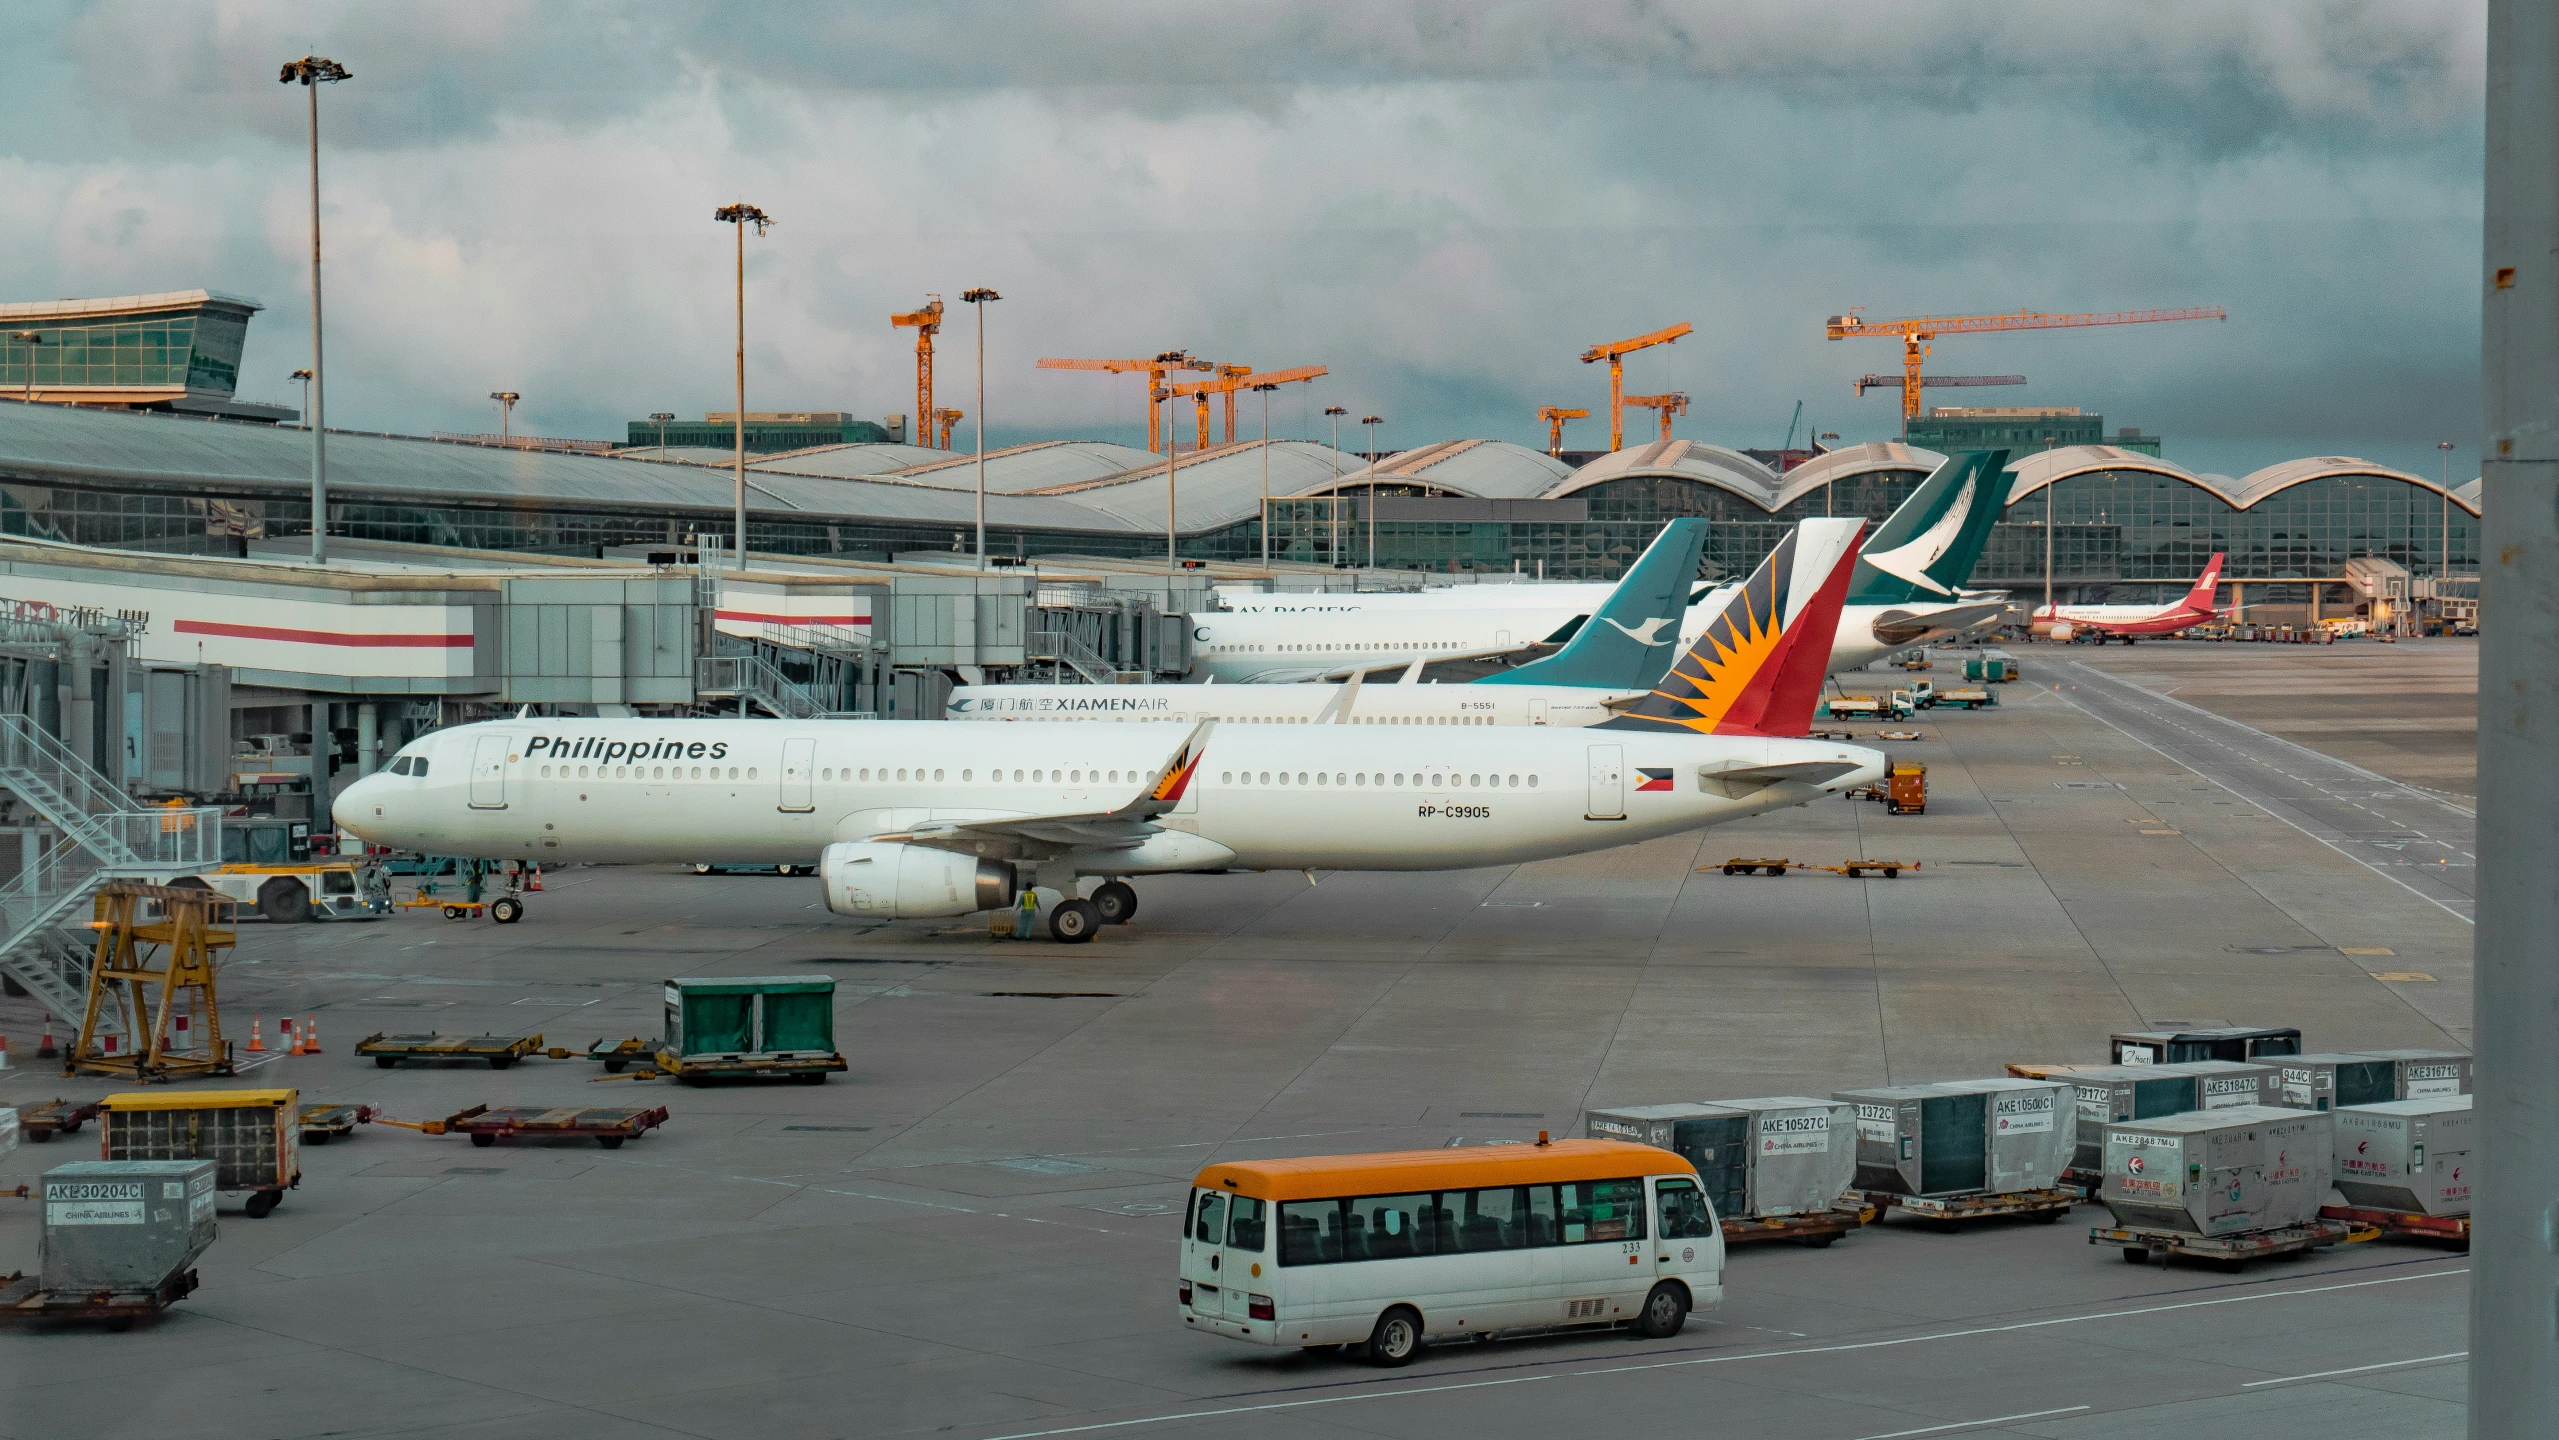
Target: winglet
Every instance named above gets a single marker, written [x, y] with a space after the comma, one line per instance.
[2201, 597]
[1758, 668]
[1164, 791]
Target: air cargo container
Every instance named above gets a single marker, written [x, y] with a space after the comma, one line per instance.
[2326, 1081]
[2406, 1155]
[2110, 1094]
[772, 1025]
[125, 1224]
[2426, 1074]
[2224, 1042]
[2221, 1084]
[1803, 1153]
[2215, 1172]
[1965, 1137]
[1782, 1155]
[253, 1137]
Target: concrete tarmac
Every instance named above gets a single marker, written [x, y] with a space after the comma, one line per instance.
[972, 1233]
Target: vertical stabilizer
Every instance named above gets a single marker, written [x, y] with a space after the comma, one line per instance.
[1630, 641]
[2201, 597]
[1925, 551]
[1758, 668]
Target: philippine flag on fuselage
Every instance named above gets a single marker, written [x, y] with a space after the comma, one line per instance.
[1652, 780]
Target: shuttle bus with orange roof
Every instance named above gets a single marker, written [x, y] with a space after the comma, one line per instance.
[1389, 1251]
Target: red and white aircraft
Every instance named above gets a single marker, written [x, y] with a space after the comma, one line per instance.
[2133, 621]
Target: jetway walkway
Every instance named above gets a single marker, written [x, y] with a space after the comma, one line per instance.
[97, 834]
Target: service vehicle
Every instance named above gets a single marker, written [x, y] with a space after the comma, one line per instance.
[1391, 1251]
[276, 870]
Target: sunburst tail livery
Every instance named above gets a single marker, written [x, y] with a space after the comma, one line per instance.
[1758, 668]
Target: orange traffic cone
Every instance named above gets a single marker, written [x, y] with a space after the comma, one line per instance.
[311, 1034]
[534, 883]
[45, 1048]
[254, 1042]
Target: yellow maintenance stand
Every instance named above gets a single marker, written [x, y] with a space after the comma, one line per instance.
[146, 964]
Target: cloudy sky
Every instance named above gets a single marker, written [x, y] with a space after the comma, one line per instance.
[1444, 202]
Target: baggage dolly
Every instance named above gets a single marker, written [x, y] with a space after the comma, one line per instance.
[1856, 869]
[324, 1123]
[1950, 1211]
[2230, 1252]
[23, 1297]
[2455, 1228]
[1747, 865]
[608, 1128]
[620, 1055]
[38, 1122]
[499, 1050]
[1816, 1230]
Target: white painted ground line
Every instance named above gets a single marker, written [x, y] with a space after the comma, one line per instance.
[1975, 1424]
[2360, 1369]
[1757, 1355]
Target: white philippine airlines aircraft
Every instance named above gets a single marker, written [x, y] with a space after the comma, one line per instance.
[924, 819]
[2134, 621]
[1608, 665]
[1908, 591]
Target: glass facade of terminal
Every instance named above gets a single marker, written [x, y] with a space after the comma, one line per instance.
[2125, 526]
[183, 348]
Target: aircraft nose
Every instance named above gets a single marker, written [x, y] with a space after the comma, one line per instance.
[357, 809]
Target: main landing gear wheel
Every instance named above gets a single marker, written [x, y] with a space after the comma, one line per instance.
[507, 910]
[1116, 902]
[1072, 922]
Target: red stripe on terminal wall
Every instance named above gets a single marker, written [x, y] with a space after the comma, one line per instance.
[323, 637]
[753, 617]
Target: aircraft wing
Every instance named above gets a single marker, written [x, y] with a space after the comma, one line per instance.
[1031, 836]
[1737, 781]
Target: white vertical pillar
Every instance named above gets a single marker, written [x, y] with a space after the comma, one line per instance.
[2514, 1274]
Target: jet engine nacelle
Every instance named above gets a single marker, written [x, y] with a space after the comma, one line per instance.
[888, 881]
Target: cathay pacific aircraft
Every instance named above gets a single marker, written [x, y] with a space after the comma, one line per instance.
[1909, 589]
[923, 819]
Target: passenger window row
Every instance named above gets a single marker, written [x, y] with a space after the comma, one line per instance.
[1452, 1222]
[1355, 778]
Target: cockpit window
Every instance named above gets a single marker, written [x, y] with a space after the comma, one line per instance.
[409, 765]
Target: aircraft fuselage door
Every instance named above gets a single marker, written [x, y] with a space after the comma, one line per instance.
[1607, 783]
[488, 770]
[799, 774]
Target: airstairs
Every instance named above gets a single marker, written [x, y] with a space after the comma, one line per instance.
[89, 832]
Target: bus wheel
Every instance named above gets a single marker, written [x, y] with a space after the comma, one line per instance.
[1665, 1310]
[507, 910]
[284, 901]
[1397, 1338]
[1116, 901]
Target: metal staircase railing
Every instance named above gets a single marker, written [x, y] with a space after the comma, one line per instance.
[755, 678]
[1059, 646]
[103, 836]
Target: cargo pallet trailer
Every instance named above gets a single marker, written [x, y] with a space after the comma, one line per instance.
[499, 1050]
[1948, 1211]
[1740, 865]
[23, 1297]
[1815, 1230]
[39, 1122]
[2228, 1251]
[321, 1124]
[608, 1128]
[2401, 1222]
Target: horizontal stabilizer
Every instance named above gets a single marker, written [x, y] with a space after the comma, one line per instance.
[1740, 781]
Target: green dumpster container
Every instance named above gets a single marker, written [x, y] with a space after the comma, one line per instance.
[757, 1025]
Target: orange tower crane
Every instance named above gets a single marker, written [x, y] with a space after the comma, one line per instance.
[1154, 370]
[1916, 332]
[1230, 379]
[1555, 418]
[1674, 403]
[927, 323]
[947, 419]
[1615, 353]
